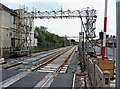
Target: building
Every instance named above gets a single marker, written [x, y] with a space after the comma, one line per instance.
[16, 30]
[110, 41]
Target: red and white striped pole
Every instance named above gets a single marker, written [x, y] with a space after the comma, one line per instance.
[104, 33]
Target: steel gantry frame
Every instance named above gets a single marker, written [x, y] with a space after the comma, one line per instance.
[87, 16]
[24, 25]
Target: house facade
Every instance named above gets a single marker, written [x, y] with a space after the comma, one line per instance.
[16, 32]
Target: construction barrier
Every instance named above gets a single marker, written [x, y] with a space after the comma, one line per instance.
[98, 77]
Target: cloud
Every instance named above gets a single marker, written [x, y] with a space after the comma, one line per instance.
[61, 27]
[18, 1]
[28, 1]
[73, 28]
[70, 27]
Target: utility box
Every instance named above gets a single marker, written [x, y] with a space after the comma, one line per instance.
[107, 65]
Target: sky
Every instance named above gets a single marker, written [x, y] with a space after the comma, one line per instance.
[69, 27]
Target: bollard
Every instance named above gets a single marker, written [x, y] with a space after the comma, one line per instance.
[106, 79]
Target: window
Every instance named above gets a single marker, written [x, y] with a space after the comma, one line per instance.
[10, 33]
[7, 35]
[13, 19]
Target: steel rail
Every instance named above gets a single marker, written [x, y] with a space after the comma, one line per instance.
[14, 65]
[42, 61]
[62, 64]
[48, 61]
[58, 69]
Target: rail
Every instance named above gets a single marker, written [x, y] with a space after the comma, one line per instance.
[51, 76]
[47, 62]
[62, 65]
[14, 65]
[36, 58]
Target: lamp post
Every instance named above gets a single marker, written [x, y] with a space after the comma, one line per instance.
[118, 44]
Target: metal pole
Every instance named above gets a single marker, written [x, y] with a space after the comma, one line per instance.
[105, 29]
[81, 28]
[82, 41]
[118, 44]
[82, 35]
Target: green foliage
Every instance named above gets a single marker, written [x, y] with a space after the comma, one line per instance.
[46, 38]
[74, 42]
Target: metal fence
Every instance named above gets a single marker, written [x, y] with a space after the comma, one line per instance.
[8, 52]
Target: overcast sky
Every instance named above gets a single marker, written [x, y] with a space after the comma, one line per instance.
[70, 27]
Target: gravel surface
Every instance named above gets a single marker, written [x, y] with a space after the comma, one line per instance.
[81, 78]
[74, 64]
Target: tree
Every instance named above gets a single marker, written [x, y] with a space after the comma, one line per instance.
[74, 42]
[44, 37]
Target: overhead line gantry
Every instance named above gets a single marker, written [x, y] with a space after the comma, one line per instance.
[87, 16]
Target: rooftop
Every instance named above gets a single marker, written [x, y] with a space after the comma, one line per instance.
[11, 11]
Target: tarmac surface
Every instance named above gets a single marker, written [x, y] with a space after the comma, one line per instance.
[62, 80]
[5, 74]
[28, 81]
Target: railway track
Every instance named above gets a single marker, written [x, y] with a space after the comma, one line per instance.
[36, 60]
[13, 66]
[48, 79]
[47, 62]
